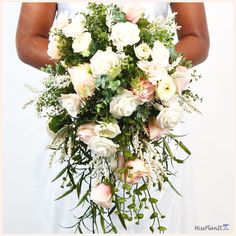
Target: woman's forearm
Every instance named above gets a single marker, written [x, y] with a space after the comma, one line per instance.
[34, 51]
[193, 48]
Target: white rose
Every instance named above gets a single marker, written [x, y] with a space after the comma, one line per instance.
[76, 27]
[166, 89]
[53, 50]
[109, 130]
[169, 117]
[124, 34]
[81, 43]
[61, 21]
[103, 62]
[124, 104]
[71, 102]
[103, 147]
[160, 54]
[142, 51]
[155, 72]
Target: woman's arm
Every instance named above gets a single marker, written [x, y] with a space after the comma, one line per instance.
[32, 33]
[193, 36]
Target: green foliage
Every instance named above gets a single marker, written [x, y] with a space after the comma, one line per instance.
[58, 122]
[96, 23]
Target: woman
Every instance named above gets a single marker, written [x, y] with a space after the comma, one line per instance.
[33, 27]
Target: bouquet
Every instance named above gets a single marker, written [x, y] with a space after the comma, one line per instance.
[112, 101]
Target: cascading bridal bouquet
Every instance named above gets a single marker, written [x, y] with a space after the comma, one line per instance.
[112, 101]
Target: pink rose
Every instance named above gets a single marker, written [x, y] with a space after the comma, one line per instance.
[138, 171]
[133, 12]
[144, 89]
[155, 132]
[181, 78]
[154, 71]
[82, 80]
[102, 195]
[86, 131]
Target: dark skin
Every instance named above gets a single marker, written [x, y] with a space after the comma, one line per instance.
[36, 19]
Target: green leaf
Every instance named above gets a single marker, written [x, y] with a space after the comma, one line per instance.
[112, 210]
[60, 69]
[122, 221]
[143, 187]
[184, 148]
[167, 147]
[58, 122]
[102, 221]
[144, 199]
[137, 192]
[65, 194]
[60, 173]
[60, 134]
[131, 206]
[153, 215]
[126, 186]
[79, 185]
[71, 178]
[83, 198]
[140, 216]
[127, 154]
[114, 229]
[179, 161]
[119, 213]
[153, 200]
[172, 186]
[124, 216]
[152, 229]
[162, 228]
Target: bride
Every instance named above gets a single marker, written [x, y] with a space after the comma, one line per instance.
[33, 28]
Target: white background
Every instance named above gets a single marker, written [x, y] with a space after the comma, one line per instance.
[211, 136]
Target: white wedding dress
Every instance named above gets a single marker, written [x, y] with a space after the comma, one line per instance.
[53, 214]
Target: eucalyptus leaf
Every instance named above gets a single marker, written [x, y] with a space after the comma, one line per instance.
[60, 173]
[65, 194]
